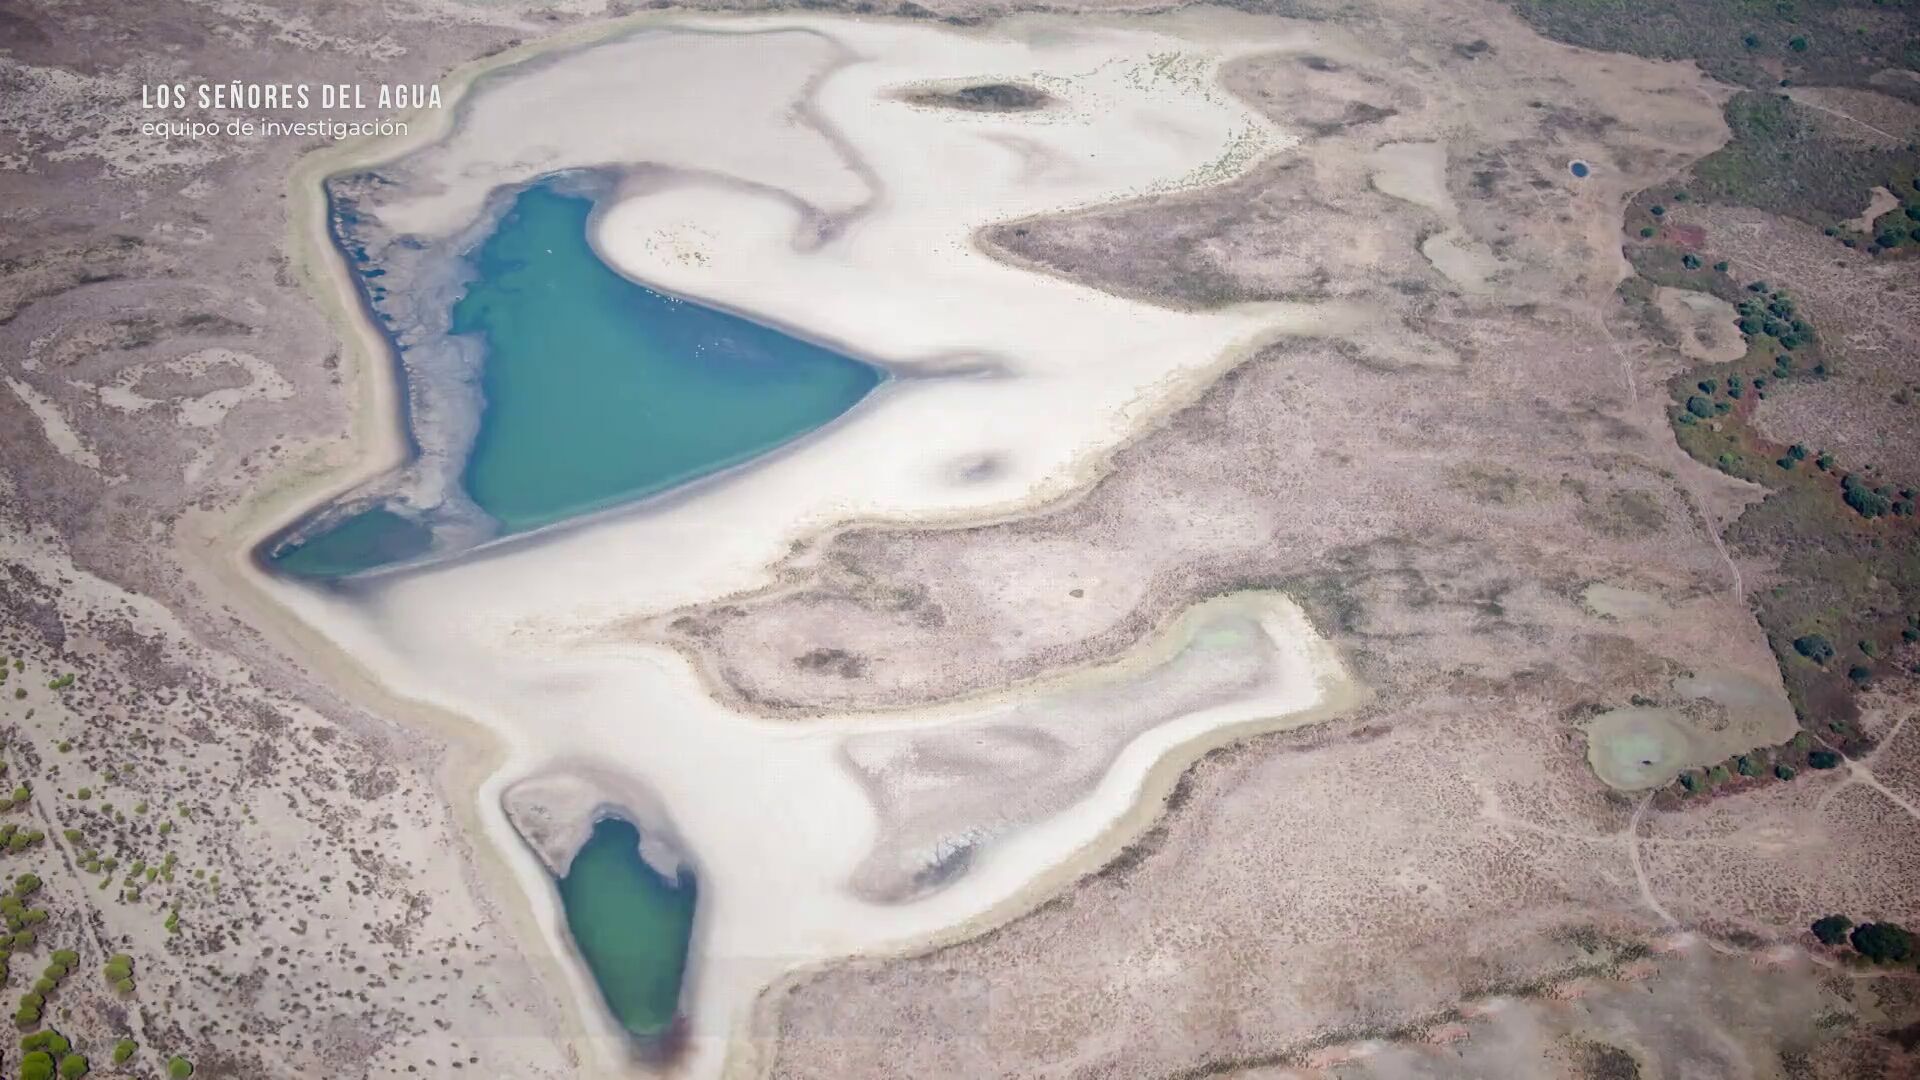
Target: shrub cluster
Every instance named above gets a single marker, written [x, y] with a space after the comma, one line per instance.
[1882, 943]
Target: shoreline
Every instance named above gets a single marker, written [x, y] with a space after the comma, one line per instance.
[1339, 693]
[477, 753]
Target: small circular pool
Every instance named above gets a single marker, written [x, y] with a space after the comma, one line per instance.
[1579, 168]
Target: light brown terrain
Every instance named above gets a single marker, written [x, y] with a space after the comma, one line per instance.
[1443, 493]
[1435, 885]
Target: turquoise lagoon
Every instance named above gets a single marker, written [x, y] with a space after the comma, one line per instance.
[597, 390]
[631, 925]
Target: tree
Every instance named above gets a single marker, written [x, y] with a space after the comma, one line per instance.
[1823, 759]
[1883, 943]
[1864, 500]
[1798, 44]
[37, 1065]
[1814, 647]
[1832, 929]
[1699, 406]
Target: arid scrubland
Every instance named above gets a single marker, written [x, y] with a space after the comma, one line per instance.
[1479, 497]
[1445, 494]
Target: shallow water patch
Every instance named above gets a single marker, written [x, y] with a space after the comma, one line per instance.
[594, 391]
[599, 390]
[631, 924]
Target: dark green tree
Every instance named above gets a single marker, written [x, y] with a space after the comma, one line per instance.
[1814, 647]
[1832, 929]
[1882, 943]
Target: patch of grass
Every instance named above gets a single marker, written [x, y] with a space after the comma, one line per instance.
[1743, 42]
[1786, 159]
[1847, 586]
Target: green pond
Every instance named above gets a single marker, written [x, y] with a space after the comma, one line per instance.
[631, 924]
[600, 390]
[597, 390]
[375, 537]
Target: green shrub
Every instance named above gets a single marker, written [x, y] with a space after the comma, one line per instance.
[1814, 647]
[25, 885]
[37, 1065]
[73, 1067]
[1865, 501]
[119, 970]
[179, 1068]
[1832, 929]
[123, 1050]
[1748, 766]
[1882, 943]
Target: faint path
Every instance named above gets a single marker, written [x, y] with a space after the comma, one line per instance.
[1887, 135]
[1713, 535]
[1639, 869]
[1687, 491]
[1858, 772]
[1628, 838]
[1891, 736]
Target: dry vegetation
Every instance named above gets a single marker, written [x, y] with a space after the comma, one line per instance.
[1442, 487]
